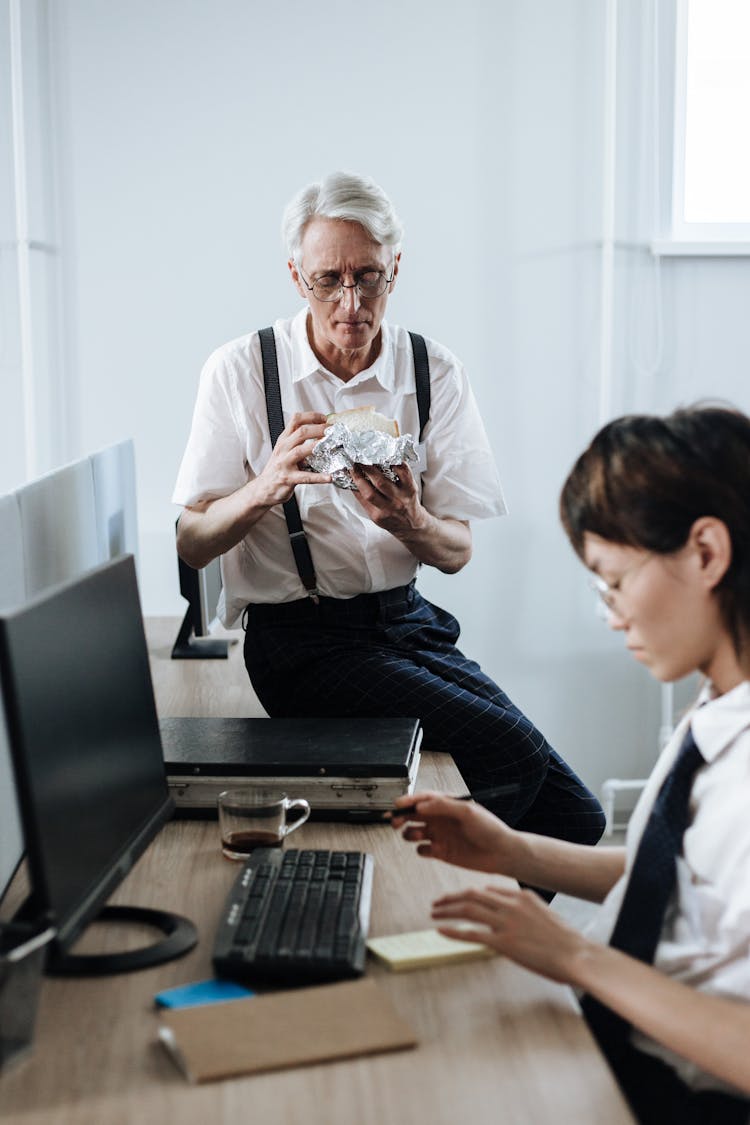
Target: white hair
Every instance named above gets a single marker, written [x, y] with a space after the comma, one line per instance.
[342, 195]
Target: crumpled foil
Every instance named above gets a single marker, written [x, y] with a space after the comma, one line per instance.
[340, 449]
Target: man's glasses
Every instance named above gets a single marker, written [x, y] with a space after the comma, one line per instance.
[330, 287]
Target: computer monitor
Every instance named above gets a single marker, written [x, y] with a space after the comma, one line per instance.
[11, 836]
[201, 588]
[12, 593]
[87, 758]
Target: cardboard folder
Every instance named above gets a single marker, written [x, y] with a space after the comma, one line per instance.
[283, 1029]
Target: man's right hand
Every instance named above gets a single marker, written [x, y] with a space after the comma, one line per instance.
[212, 527]
[458, 832]
[283, 472]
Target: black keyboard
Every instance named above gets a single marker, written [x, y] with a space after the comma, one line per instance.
[296, 917]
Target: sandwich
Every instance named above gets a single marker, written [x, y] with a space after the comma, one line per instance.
[364, 418]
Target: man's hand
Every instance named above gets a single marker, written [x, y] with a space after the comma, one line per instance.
[392, 505]
[212, 527]
[276, 483]
[395, 506]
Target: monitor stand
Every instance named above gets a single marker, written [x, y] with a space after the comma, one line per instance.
[188, 646]
[181, 936]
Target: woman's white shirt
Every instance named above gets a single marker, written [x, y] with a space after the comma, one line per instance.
[705, 939]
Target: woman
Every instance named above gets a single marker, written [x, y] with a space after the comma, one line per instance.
[658, 509]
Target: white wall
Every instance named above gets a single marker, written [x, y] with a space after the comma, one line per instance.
[181, 128]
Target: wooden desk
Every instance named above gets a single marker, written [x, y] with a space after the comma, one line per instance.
[496, 1042]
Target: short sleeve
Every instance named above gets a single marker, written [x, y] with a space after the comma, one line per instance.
[214, 462]
[461, 478]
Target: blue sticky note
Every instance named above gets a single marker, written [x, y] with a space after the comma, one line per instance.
[201, 992]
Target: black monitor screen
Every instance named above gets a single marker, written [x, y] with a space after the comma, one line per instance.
[84, 739]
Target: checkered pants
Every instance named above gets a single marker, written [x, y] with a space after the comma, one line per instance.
[395, 653]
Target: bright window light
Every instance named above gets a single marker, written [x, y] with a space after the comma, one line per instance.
[711, 190]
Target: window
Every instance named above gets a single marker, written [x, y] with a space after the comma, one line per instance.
[711, 171]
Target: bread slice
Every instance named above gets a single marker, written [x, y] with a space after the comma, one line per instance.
[365, 418]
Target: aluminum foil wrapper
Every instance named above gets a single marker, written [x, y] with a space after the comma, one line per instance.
[340, 449]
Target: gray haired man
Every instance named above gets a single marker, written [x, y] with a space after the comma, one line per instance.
[348, 633]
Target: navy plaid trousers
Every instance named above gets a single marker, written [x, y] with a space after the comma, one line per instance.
[394, 653]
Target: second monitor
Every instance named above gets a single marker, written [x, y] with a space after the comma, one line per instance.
[201, 589]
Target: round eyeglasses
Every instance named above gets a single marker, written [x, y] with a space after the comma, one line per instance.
[330, 287]
[609, 592]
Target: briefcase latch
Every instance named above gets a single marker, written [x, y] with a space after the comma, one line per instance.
[342, 790]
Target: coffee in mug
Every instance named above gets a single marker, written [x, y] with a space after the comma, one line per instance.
[251, 818]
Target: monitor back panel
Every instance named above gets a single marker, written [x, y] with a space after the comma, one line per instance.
[115, 500]
[58, 526]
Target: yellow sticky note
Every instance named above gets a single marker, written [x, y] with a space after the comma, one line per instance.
[421, 949]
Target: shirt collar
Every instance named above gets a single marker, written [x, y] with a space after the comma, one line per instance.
[721, 719]
[306, 363]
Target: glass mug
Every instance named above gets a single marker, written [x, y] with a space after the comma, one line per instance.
[252, 818]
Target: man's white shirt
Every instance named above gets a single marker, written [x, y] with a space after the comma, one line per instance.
[229, 445]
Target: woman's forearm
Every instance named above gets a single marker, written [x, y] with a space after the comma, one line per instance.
[710, 1031]
[572, 869]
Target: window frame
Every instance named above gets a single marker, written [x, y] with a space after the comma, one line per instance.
[685, 237]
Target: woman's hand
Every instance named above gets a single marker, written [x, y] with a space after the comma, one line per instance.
[516, 923]
[711, 1031]
[458, 832]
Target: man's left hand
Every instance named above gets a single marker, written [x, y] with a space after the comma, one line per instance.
[395, 506]
[392, 505]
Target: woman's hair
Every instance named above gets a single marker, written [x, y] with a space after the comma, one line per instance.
[645, 480]
[342, 195]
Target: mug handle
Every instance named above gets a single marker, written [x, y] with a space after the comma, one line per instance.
[304, 807]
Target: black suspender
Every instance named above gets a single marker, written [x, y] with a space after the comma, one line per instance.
[300, 548]
[274, 409]
[422, 379]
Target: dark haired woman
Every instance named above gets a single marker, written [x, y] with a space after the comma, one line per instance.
[659, 511]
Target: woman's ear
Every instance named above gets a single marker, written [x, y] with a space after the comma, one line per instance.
[712, 542]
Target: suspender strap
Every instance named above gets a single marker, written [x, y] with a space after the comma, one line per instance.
[298, 539]
[271, 383]
[422, 379]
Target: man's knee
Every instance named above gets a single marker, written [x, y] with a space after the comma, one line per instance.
[592, 829]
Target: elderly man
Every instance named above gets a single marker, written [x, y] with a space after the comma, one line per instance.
[323, 577]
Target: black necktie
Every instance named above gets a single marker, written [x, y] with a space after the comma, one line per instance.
[654, 872]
